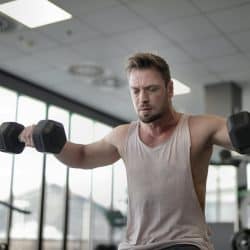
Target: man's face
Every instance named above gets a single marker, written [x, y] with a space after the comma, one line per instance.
[150, 95]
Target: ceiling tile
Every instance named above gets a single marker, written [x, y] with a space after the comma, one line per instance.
[28, 41]
[115, 19]
[233, 63]
[193, 73]
[174, 55]
[145, 39]
[212, 5]
[81, 8]
[234, 19]
[69, 31]
[61, 57]
[241, 39]
[26, 65]
[98, 49]
[8, 52]
[162, 11]
[190, 28]
[240, 76]
[213, 47]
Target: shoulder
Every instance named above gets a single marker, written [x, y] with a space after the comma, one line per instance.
[206, 126]
[206, 120]
[118, 134]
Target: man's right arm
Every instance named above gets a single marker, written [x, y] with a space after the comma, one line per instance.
[97, 154]
[101, 153]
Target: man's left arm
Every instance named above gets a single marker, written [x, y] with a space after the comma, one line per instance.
[219, 132]
[233, 132]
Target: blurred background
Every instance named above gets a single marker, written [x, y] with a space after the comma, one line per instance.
[70, 68]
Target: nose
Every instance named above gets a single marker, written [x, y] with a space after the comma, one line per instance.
[143, 97]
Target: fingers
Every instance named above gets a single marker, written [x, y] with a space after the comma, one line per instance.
[26, 136]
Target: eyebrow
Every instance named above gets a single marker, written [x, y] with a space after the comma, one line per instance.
[146, 87]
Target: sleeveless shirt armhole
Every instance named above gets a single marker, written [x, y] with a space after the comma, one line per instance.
[186, 122]
[125, 143]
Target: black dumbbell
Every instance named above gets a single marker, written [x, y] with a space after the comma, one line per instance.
[48, 136]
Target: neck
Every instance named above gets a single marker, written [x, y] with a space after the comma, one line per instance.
[162, 125]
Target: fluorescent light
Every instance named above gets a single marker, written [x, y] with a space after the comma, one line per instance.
[180, 88]
[34, 13]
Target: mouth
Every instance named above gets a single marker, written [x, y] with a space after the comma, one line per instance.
[145, 109]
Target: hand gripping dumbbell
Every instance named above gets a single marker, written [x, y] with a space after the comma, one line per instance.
[239, 131]
[48, 136]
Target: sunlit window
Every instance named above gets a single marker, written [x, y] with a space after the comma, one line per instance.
[27, 180]
[221, 198]
[55, 190]
[8, 100]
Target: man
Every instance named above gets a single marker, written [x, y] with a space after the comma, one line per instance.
[166, 154]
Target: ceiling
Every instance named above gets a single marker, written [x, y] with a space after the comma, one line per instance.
[204, 41]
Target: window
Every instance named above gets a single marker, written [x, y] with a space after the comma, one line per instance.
[221, 198]
[80, 188]
[8, 101]
[27, 181]
[92, 193]
[102, 184]
[55, 198]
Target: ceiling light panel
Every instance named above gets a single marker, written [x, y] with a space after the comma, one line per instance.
[34, 13]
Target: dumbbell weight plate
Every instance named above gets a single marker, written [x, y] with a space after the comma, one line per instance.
[9, 142]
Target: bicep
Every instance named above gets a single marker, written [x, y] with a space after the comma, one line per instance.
[100, 153]
[219, 132]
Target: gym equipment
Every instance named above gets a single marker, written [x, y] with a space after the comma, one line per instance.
[48, 136]
[14, 208]
[241, 240]
[106, 247]
[116, 218]
[9, 142]
[239, 131]
[3, 246]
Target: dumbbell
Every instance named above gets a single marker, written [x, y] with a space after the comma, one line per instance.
[48, 136]
[239, 131]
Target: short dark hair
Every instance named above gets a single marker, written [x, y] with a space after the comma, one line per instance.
[147, 61]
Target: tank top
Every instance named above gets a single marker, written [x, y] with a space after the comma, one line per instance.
[163, 208]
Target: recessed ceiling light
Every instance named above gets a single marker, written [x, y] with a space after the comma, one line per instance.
[34, 13]
[180, 88]
[86, 70]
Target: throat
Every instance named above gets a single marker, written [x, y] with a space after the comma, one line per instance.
[153, 135]
[155, 139]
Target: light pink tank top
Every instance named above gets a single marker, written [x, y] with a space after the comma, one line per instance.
[163, 207]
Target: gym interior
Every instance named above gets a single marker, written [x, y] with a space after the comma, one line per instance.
[72, 71]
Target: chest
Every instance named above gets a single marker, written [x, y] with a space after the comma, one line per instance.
[155, 140]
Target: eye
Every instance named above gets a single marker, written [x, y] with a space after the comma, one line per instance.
[153, 88]
[135, 91]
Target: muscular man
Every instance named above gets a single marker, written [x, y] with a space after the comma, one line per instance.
[166, 154]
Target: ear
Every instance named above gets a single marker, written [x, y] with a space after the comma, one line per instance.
[170, 88]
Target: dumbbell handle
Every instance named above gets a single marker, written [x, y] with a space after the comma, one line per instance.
[28, 138]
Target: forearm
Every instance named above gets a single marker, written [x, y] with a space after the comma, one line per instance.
[71, 155]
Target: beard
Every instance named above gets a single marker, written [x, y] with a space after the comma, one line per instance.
[150, 118]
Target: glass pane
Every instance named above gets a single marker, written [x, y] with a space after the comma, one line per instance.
[55, 190]
[221, 199]
[120, 198]
[80, 188]
[212, 178]
[211, 195]
[27, 181]
[8, 100]
[102, 183]
[227, 175]
[228, 197]
[248, 176]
